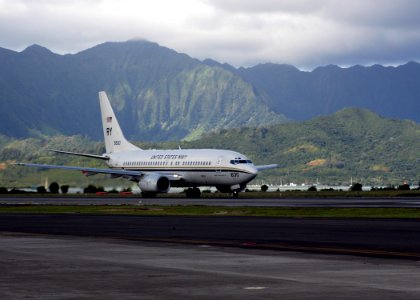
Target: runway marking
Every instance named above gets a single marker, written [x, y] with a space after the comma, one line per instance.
[254, 288]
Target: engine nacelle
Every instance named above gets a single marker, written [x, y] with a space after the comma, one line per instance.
[154, 183]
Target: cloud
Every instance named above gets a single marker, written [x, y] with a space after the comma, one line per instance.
[305, 33]
[373, 12]
[309, 33]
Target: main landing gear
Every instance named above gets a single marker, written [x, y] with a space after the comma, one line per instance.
[193, 192]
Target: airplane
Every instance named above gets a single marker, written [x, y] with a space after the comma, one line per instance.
[156, 171]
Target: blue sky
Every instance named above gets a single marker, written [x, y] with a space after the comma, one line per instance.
[303, 33]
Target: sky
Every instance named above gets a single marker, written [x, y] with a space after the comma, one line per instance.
[303, 33]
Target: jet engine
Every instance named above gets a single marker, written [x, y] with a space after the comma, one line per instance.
[154, 183]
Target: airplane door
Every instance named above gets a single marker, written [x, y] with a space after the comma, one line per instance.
[219, 164]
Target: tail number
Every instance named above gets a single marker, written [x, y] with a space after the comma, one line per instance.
[117, 143]
[108, 131]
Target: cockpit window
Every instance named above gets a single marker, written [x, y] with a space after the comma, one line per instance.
[240, 161]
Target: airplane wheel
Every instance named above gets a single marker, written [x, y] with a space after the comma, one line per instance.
[188, 193]
[193, 193]
[197, 192]
[235, 195]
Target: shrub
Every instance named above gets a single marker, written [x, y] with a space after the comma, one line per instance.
[41, 190]
[64, 189]
[312, 189]
[90, 189]
[264, 188]
[357, 187]
[54, 188]
[404, 187]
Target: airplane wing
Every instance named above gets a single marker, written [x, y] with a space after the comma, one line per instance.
[266, 167]
[115, 173]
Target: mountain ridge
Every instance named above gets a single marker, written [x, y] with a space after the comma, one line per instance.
[160, 94]
[301, 95]
[148, 85]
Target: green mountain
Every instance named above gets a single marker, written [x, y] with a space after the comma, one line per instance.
[389, 91]
[158, 94]
[352, 143]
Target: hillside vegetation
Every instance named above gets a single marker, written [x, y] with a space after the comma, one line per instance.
[389, 91]
[157, 93]
[352, 143]
[160, 94]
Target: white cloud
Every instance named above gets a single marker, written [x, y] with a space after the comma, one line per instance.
[305, 33]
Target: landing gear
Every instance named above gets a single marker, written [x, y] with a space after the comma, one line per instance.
[235, 195]
[148, 194]
[193, 193]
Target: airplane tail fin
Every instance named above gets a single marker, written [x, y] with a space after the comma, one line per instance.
[113, 135]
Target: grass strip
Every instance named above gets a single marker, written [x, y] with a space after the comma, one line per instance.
[201, 210]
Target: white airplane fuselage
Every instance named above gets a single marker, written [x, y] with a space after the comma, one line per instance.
[194, 167]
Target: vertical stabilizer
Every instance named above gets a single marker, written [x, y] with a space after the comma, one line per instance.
[113, 135]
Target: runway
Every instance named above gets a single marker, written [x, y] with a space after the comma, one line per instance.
[369, 237]
[47, 267]
[46, 256]
[413, 202]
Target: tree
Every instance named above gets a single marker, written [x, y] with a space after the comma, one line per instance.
[312, 189]
[90, 189]
[41, 190]
[54, 187]
[404, 187]
[357, 187]
[264, 188]
[10, 154]
[3, 190]
[64, 189]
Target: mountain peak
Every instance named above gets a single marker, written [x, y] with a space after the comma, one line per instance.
[36, 49]
[213, 63]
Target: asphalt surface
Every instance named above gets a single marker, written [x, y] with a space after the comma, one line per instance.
[46, 267]
[372, 237]
[275, 202]
[75, 256]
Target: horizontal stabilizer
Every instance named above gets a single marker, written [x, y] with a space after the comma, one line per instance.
[81, 154]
